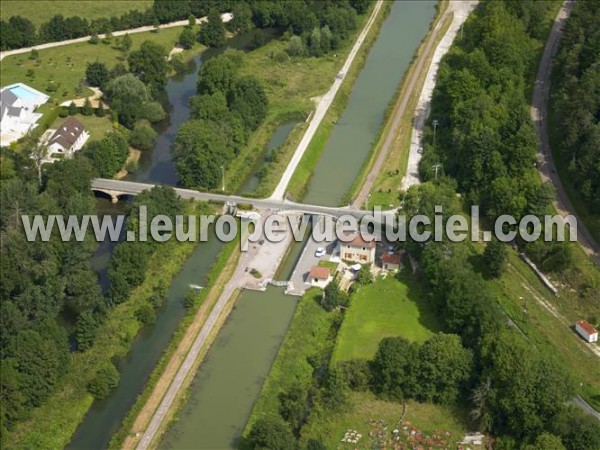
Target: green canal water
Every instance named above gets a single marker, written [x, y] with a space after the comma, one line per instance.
[356, 131]
[228, 382]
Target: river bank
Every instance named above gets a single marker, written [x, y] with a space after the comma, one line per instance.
[52, 424]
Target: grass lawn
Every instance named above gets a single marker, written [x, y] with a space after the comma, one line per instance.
[64, 67]
[96, 126]
[427, 418]
[394, 306]
[306, 337]
[40, 11]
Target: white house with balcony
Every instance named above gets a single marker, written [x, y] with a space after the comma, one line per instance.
[18, 103]
[68, 138]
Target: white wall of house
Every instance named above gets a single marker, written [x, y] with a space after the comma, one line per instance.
[589, 337]
[363, 255]
[320, 282]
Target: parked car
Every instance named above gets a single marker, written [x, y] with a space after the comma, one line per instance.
[320, 252]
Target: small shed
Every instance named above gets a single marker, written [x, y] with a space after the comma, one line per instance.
[586, 331]
[390, 261]
[319, 276]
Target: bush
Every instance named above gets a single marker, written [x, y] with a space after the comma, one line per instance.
[145, 314]
[106, 379]
[142, 136]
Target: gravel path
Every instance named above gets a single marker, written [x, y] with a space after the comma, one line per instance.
[461, 11]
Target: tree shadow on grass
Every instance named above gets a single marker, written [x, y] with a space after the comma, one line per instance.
[419, 293]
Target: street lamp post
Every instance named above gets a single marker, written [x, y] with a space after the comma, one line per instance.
[223, 178]
[435, 125]
[436, 167]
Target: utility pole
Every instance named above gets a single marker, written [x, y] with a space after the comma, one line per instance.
[435, 125]
[436, 167]
[223, 173]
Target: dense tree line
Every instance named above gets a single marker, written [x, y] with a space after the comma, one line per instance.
[302, 16]
[49, 293]
[484, 137]
[224, 113]
[576, 101]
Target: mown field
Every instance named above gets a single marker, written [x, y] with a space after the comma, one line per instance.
[40, 11]
[394, 306]
[62, 69]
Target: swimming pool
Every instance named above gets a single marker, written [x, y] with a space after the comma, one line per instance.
[26, 94]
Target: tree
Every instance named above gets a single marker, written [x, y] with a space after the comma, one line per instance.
[495, 257]
[212, 33]
[37, 154]
[333, 296]
[150, 64]
[186, 38]
[72, 109]
[444, 367]
[100, 109]
[86, 331]
[211, 107]
[271, 433]
[292, 405]
[242, 18]
[130, 99]
[578, 430]
[200, 151]
[108, 154]
[219, 73]
[335, 394]
[142, 136]
[364, 275]
[529, 388]
[126, 43]
[87, 109]
[295, 46]
[97, 74]
[393, 368]
[249, 100]
[545, 441]
[106, 379]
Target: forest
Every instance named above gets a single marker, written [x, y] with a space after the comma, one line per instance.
[576, 102]
[484, 137]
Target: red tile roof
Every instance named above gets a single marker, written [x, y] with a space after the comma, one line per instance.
[391, 258]
[586, 326]
[358, 241]
[320, 273]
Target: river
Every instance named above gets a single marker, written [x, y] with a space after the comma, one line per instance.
[358, 128]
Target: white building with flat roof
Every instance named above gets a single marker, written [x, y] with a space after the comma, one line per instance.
[18, 103]
[586, 331]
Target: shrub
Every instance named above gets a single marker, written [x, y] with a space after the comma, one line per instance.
[106, 379]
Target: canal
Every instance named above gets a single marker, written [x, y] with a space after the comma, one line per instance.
[358, 128]
[223, 392]
[229, 380]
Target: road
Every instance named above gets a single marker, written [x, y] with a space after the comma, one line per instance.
[225, 17]
[539, 116]
[120, 187]
[322, 107]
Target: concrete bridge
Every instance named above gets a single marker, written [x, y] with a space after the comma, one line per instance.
[118, 188]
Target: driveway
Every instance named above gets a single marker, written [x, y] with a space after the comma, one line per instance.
[299, 279]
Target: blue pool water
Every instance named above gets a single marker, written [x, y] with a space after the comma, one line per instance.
[24, 93]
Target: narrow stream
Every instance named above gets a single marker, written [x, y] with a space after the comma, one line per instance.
[358, 127]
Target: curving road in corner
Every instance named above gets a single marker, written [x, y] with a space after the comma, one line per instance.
[539, 116]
